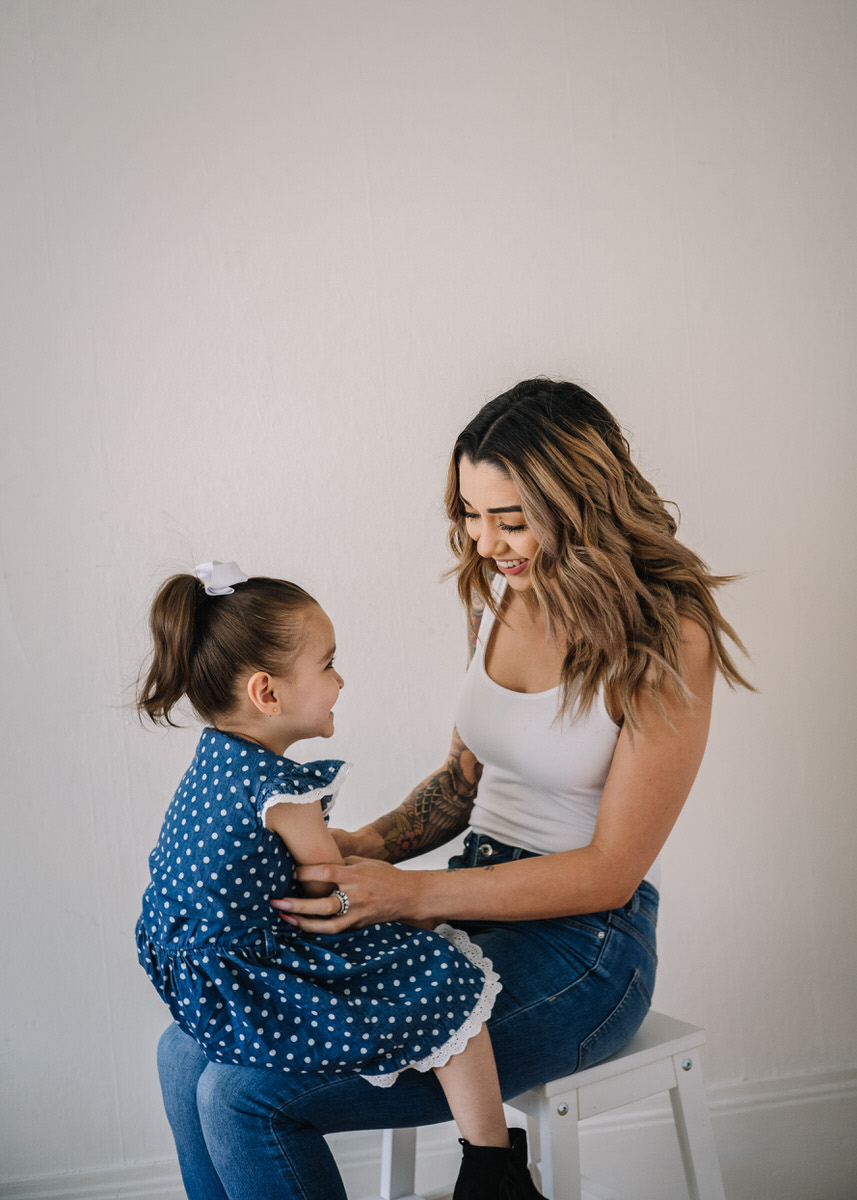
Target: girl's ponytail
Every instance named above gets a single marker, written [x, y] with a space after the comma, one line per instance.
[205, 641]
[172, 623]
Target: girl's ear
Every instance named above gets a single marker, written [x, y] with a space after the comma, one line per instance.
[264, 693]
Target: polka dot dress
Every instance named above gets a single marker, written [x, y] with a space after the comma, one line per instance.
[257, 992]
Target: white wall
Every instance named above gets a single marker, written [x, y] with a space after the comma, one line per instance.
[261, 260]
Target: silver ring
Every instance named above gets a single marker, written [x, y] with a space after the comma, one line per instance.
[344, 902]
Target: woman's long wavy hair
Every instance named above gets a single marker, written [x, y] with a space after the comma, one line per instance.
[610, 576]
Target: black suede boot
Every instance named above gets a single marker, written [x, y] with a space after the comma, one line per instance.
[496, 1173]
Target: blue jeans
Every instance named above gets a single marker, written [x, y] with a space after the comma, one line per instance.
[575, 989]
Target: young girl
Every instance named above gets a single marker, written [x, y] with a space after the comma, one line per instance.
[255, 659]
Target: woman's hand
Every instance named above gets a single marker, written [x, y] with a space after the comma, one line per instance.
[376, 891]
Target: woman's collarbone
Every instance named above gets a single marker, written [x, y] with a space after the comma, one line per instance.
[522, 658]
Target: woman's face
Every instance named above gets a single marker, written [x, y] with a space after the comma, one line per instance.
[494, 519]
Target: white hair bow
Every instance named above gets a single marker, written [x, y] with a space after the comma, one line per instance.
[219, 577]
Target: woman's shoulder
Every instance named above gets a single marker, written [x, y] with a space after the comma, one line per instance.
[697, 649]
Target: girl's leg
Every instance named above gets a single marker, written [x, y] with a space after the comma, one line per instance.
[472, 1089]
[492, 1165]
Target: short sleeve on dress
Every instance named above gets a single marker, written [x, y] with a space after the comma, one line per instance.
[300, 783]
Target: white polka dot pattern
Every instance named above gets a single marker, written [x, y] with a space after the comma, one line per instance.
[253, 990]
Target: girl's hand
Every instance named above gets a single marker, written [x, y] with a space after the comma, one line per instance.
[376, 891]
[363, 843]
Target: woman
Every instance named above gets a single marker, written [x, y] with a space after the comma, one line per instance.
[580, 728]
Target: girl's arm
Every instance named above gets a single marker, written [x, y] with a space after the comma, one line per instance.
[301, 827]
[649, 780]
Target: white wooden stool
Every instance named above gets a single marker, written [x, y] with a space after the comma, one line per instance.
[663, 1056]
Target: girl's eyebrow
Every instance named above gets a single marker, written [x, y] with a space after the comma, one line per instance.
[328, 655]
[508, 508]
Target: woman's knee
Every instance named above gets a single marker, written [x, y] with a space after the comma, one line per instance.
[232, 1097]
[180, 1065]
[220, 1093]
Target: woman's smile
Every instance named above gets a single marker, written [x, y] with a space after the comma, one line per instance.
[511, 566]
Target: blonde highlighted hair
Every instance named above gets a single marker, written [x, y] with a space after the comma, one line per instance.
[610, 577]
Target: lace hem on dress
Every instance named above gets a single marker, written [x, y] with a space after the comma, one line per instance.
[477, 1018]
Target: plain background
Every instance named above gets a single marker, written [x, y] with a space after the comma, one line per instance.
[259, 262]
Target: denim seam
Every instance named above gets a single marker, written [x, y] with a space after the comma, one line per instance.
[637, 983]
[312, 1091]
[518, 1012]
[623, 926]
[282, 1145]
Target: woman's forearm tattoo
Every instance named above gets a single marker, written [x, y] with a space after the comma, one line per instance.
[436, 810]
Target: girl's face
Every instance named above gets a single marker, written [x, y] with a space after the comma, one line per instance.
[494, 519]
[312, 687]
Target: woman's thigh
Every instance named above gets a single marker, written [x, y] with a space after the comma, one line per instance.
[575, 990]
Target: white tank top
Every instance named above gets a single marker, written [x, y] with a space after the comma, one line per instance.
[543, 777]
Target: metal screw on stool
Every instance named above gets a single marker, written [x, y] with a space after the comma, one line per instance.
[562, 1110]
[687, 1063]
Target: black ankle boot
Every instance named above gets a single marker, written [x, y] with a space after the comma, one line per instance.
[495, 1172]
[518, 1183]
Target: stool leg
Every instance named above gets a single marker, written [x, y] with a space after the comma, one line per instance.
[534, 1146]
[560, 1147]
[695, 1131]
[398, 1164]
